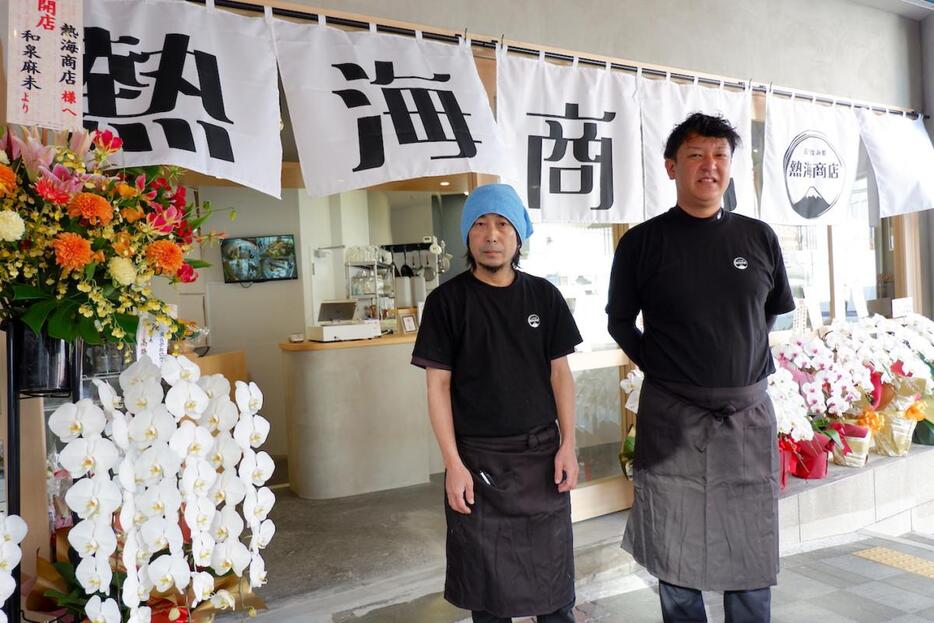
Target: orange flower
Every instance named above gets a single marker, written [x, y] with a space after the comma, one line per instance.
[122, 245]
[871, 420]
[72, 252]
[915, 411]
[125, 190]
[165, 257]
[92, 209]
[7, 179]
[131, 215]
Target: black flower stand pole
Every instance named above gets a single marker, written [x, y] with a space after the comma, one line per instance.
[61, 377]
[11, 468]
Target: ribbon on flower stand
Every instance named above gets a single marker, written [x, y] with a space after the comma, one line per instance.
[788, 459]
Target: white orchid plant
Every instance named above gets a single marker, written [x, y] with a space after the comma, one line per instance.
[12, 532]
[165, 484]
[791, 413]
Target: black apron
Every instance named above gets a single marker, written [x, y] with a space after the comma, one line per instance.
[705, 473]
[513, 555]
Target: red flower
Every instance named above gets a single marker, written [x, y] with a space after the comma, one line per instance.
[107, 141]
[186, 274]
[178, 199]
[48, 191]
[160, 182]
[185, 232]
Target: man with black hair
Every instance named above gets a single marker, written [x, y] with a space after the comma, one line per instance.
[494, 342]
[709, 284]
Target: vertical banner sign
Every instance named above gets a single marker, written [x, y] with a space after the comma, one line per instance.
[664, 106]
[44, 82]
[369, 108]
[573, 134]
[185, 85]
[809, 163]
[902, 159]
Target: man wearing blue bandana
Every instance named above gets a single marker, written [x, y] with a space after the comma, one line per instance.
[494, 343]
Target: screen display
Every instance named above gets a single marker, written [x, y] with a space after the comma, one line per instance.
[260, 258]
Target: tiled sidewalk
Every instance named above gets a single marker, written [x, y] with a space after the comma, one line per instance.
[832, 585]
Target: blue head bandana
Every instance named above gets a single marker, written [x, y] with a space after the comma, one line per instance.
[499, 199]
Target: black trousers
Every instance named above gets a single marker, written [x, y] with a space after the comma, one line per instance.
[686, 605]
[563, 615]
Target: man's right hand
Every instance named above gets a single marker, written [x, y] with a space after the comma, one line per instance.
[458, 483]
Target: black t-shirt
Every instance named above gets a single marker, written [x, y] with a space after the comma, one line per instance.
[498, 343]
[705, 287]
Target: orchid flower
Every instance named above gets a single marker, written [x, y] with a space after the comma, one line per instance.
[202, 548]
[199, 514]
[215, 386]
[10, 556]
[142, 614]
[251, 431]
[146, 394]
[73, 420]
[152, 425]
[93, 455]
[223, 600]
[175, 369]
[159, 533]
[7, 587]
[256, 468]
[198, 478]
[227, 525]
[186, 399]
[92, 537]
[262, 534]
[226, 452]
[12, 529]
[162, 499]
[167, 571]
[156, 463]
[130, 552]
[94, 574]
[228, 488]
[230, 555]
[257, 504]
[119, 430]
[140, 371]
[257, 570]
[192, 441]
[97, 611]
[129, 592]
[249, 397]
[202, 584]
[221, 414]
[94, 497]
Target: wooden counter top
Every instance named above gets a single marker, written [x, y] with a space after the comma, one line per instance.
[387, 340]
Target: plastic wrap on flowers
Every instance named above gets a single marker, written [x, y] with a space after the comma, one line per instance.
[813, 457]
[857, 439]
[894, 438]
[787, 460]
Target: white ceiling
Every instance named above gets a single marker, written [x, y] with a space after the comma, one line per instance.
[915, 9]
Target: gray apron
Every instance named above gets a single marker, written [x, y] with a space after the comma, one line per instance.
[513, 555]
[705, 473]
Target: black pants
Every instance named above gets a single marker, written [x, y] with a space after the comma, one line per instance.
[564, 615]
[686, 605]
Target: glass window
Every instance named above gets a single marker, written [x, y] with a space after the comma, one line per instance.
[577, 259]
[599, 431]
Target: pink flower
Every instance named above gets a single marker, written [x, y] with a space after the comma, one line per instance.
[58, 185]
[164, 221]
[80, 143]
[33, 153]
[186, 274]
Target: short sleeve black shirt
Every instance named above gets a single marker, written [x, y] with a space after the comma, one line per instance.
[705, 288]
[498, 343]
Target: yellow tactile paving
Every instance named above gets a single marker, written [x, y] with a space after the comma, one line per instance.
[899, 560]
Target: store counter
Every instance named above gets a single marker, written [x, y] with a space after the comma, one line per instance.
[357, 417]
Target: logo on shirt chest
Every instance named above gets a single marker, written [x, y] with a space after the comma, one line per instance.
[534, 320]
[741, 263]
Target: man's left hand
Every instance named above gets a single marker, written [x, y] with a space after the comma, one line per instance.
[566, 468]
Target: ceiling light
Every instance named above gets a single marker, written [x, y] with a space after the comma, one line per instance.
[445, 183]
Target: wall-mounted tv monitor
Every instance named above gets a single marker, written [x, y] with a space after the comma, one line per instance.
[259, 258]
